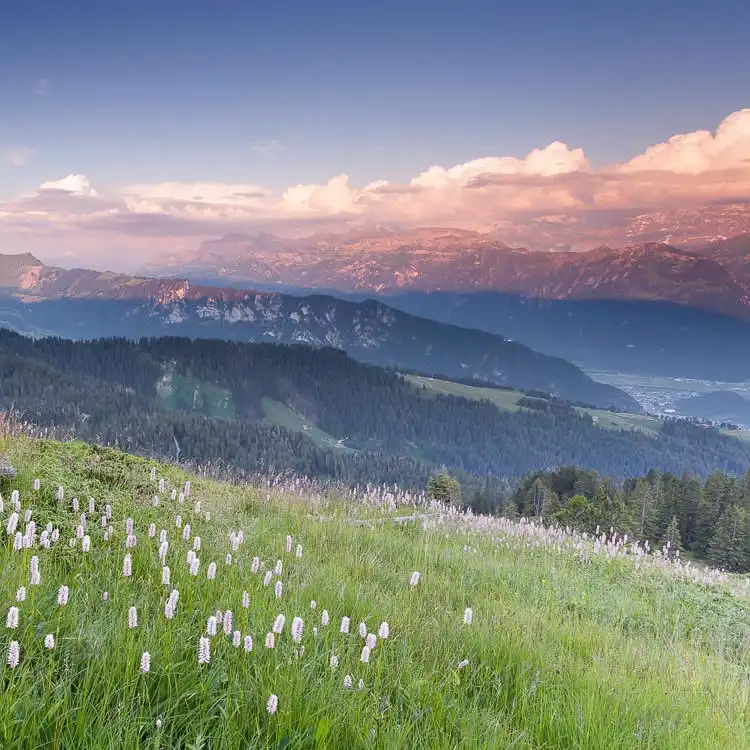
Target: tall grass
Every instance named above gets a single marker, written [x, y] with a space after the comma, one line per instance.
[568, 647]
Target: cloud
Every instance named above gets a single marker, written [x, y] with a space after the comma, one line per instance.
[17, 156]
[74, 184]
[550, 195]
[42, 86]
[267, 146]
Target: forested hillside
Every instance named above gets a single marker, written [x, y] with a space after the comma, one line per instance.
[317, 412]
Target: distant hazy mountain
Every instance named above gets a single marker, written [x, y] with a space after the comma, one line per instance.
[42, 300]
[716, 406]
[454, 260]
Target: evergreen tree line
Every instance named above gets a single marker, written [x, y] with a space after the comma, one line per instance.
[708, 520]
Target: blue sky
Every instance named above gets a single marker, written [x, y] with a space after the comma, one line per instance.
[148, 91]
[129, 129]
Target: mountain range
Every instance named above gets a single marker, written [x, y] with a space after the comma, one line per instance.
[83, 304]
[713, 276]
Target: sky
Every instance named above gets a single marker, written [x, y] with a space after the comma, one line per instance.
[131, 129]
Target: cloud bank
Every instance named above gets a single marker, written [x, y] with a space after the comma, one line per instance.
[550, 186]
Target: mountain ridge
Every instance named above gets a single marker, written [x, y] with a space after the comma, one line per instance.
[87, 304]
[434, 259]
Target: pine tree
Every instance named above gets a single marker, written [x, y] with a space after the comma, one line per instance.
[728, 547]
[672, 535]
[444, 488]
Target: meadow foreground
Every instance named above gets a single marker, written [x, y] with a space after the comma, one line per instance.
[147, 608]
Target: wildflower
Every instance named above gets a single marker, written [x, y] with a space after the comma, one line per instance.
[153, 473]
[468, 615]
[299, 552]
[131, 541]
[236, 639]
[187, 488]
[178, 521]
[108, 511]
[267, 578]
[162, 485]
[55, 535]
[371, 640]
[325, 618]
[165, 575]
[348, 681]
[145, 662]
[14, 654]
[345, 625]
[60, 492]
[333, 661]
[11, 621]
[463, 663]
[155, 501]
[361, 684]
[92, 505]
[297, 626]
[384, 630]
[151, 530]
[127, 566]
[362, 630]
[197, 508]
[365, 655]
[128, 526]
[162, 536]
[158, 723]
[49, 641]
[278, 589]
[248, 644]
[315, 632]
[169, 609]
[414, 580]
[211, 573]
[288, 543]
[255, 566]
[228, 622]
[62, 596]
[186, 532]
[228, 559]
[105, 596]
[211, 625]
[197, 544]
[278, 624]
[27, 516]
[273, 704]
[163, 549]
[86, 543]
[21, 594]
[75, 505]
[279, 567]
[313, 604]
[181, 498]
[132, 618]
[37, 485]
[270, 640]
[245, 599]
[204, 651]
[194, 565]
[12, 523]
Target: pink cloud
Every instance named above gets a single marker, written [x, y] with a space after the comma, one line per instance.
[550, 192]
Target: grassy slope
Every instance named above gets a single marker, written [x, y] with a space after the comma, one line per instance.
[508, 401]
[561, 654]
[178, 392]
